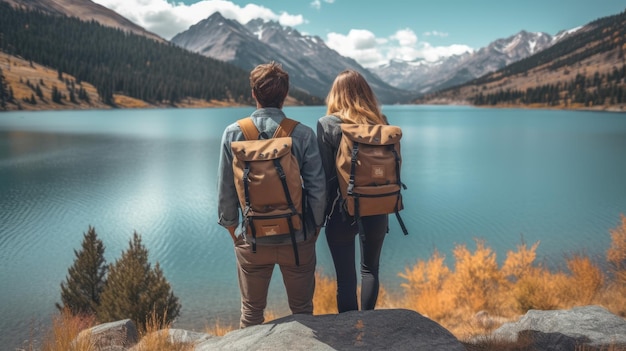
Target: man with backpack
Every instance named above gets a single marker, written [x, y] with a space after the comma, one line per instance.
[270, 171]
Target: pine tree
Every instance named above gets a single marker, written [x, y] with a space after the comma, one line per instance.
[86, 277]
[134, 290]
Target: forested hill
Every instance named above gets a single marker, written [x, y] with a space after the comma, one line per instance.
[586, 69]
[117, 62]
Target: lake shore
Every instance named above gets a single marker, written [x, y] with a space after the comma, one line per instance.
[573, 107]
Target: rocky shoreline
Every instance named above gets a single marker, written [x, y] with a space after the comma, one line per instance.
[587, 327]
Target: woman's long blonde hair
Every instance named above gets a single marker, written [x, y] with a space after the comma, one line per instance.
[352, 99]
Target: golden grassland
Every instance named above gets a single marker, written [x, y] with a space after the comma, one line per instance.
[470, 299]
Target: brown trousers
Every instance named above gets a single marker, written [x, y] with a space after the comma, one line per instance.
[255, 271]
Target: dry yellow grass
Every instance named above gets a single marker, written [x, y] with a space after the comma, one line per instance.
[219, 329]
[156, 337]
[65, 329]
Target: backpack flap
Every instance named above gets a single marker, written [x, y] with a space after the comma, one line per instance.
[257, 168]
[261, 150]
[378, 134]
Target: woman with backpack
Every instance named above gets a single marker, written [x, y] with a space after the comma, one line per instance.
[350, 101]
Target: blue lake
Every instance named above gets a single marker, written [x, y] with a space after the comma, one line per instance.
[502, 175]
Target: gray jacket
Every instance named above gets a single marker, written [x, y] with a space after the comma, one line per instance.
[305, 149]
[328, 138]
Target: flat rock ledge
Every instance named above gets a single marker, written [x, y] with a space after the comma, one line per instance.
[390, 329]
[368, 330]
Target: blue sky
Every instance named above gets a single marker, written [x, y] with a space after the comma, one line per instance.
[374, 32]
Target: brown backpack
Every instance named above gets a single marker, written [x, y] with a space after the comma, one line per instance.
[268, 182]
[368, 169]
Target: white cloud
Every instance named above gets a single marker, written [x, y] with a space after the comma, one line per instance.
[168, 19]
[434, 53]
[359, 44]
[317, 4]
[405, 37]
[370, 51]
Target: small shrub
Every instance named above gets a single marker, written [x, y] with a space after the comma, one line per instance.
[539, 289]
[135, 290]
[476, 278]
[425, 289]
[616, 254]
[585, 282]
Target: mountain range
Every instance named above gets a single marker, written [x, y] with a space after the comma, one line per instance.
[312, 65]
[423, 76]
[585, 69]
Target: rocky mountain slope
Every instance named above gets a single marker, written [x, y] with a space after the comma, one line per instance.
[423, 76]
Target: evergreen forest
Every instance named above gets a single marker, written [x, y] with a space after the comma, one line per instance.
[117, 62]
[600, 89]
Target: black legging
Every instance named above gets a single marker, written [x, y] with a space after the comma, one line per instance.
[340, 235]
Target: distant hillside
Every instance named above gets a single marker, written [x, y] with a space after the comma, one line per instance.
[584, 70]
[85, 10]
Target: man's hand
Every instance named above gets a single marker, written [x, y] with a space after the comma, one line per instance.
[231, 230]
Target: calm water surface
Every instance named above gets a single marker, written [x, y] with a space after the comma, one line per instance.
[504, 176]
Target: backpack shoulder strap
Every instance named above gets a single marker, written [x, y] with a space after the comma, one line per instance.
[285, 128]
[250, 131]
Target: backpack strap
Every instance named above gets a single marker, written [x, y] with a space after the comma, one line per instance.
[400, 221]
[286, 126]
[284, 129]
[249, 130]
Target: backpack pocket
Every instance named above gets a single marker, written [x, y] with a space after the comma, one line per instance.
[276, 222]
[374, 200]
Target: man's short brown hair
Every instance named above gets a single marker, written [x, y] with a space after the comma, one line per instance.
[270, 84]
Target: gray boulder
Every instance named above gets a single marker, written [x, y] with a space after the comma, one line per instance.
[395, 329]
[113, 336]
[567, 329]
